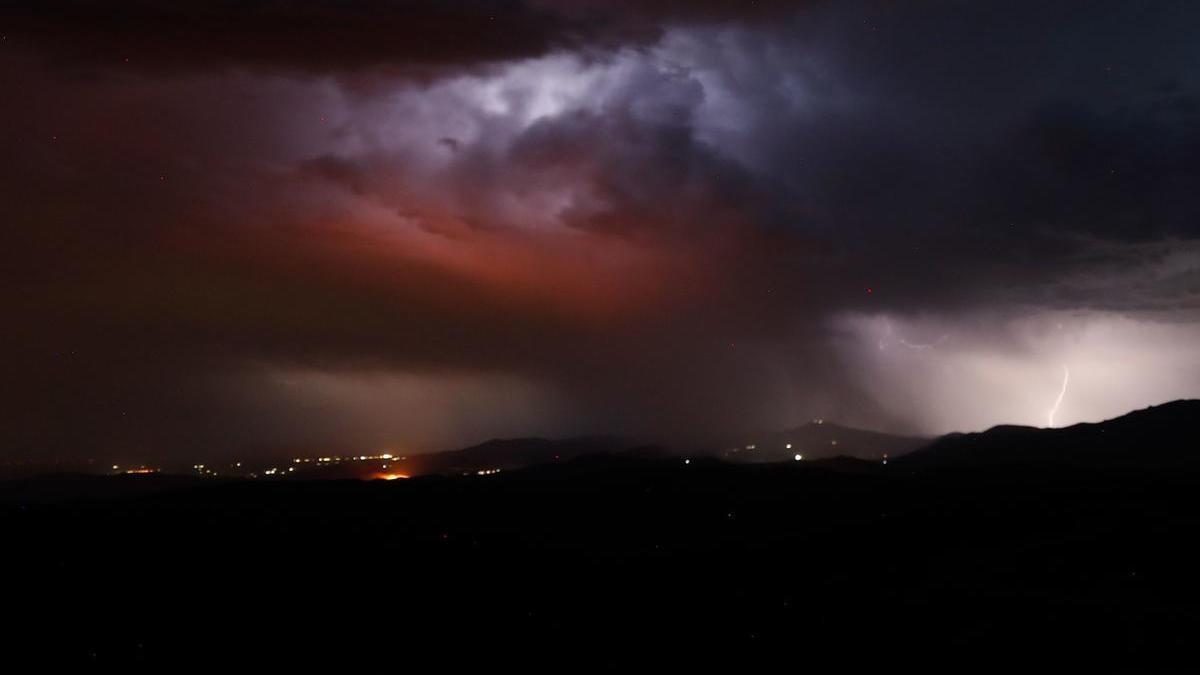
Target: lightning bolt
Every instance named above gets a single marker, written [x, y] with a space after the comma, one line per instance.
[1062, 392]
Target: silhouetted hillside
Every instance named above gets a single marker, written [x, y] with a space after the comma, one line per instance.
[1162, 436]
[985, 551]
[72, 486]
[818, 440]
[489, 457]
[513, 453]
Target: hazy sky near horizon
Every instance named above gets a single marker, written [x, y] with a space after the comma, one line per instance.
[420, 224]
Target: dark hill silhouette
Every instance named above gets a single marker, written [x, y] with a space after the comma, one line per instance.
[1162, 436]
[821, 440]
[496, 454]
[517, 452]
[983, 547]
[61, 486]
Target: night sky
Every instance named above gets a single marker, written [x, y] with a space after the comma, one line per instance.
[244, 226]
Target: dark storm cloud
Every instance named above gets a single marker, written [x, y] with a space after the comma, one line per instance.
[422, 37]
[303, 35]
[668, 219]
[1129, 173]
[981, 149]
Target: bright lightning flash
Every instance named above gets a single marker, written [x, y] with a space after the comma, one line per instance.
[1061, 393]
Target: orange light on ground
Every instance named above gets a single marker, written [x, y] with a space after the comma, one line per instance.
[388, 476]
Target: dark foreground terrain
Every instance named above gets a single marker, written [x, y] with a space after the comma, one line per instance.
[1054, 550]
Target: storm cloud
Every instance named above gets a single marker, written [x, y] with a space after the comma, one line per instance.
[233, 225]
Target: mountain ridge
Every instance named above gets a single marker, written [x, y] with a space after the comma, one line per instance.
[1154, 435]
